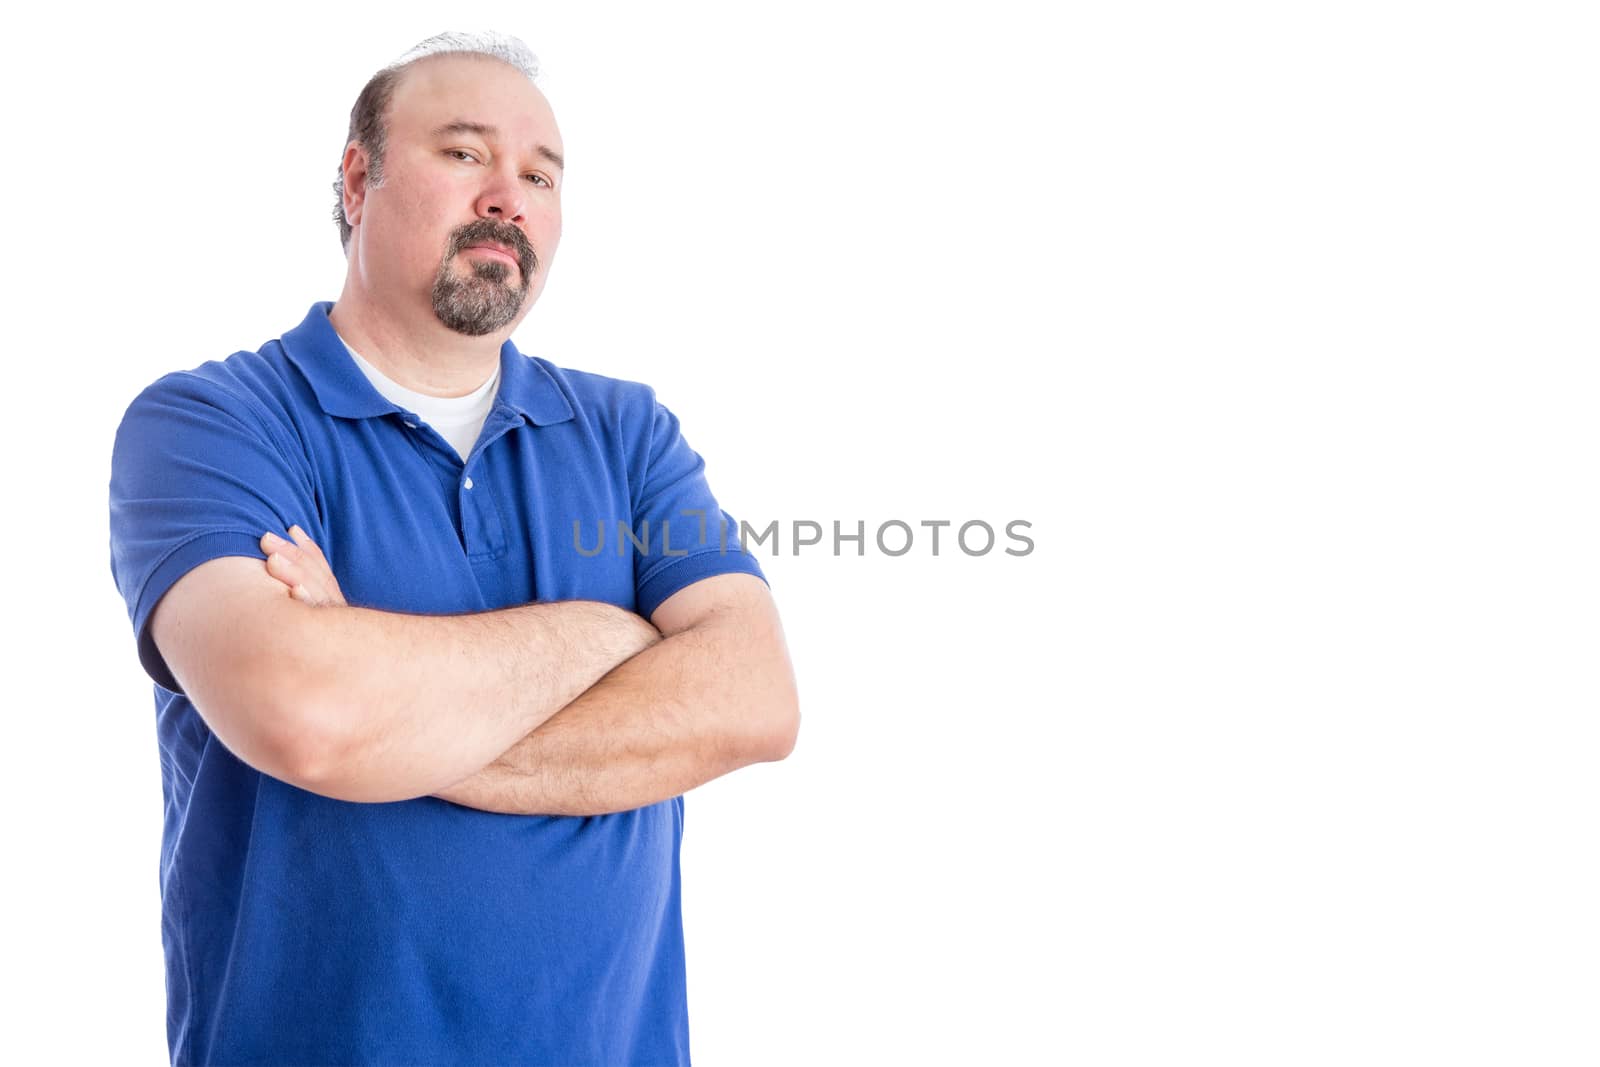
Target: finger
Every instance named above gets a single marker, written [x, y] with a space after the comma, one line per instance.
[291, 574]
[291, 552]
[297, 576]
[281, 567]
[303, 539]
[308, 558]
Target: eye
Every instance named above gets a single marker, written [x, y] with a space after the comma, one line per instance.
[538, 178]
[460, 152]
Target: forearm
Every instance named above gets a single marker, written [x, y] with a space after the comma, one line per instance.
[401, 705]
[689, 709]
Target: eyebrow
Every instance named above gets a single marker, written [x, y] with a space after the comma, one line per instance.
[485, 130]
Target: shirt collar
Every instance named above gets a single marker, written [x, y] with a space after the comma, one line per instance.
[314, 347]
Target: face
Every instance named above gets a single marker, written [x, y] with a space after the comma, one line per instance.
[468, 214]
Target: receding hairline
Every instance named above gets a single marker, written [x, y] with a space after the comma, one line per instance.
[466, 125]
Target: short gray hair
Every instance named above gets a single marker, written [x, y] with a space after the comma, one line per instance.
[369, 117]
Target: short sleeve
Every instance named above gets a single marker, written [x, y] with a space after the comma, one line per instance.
[194, 476]
[690, 536]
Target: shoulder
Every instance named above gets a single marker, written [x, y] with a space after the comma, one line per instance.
[242, 381]
[254, 392]
[590, 391]
[617, 406]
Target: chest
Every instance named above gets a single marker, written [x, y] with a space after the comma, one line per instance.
[410, 527]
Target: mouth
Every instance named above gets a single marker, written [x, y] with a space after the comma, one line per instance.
[499, 251]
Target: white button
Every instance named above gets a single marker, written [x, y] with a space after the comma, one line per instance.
[467, 483]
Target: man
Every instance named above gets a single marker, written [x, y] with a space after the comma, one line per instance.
[422, 752]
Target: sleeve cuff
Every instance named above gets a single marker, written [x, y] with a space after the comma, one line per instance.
[685, 571]
[179, 562]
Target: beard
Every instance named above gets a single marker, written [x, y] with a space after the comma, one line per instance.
[483, 301]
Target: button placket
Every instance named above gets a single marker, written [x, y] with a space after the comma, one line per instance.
[480, 518]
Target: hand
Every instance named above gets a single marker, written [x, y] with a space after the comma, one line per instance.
[300, 565]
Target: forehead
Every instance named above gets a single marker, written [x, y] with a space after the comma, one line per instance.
[449, 88]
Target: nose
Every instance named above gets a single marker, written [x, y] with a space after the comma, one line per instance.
[503, 198]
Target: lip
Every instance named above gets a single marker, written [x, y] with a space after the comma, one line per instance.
[499, 250]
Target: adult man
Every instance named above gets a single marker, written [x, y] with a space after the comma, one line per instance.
[424, 770]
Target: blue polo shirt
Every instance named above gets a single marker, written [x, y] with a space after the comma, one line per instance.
[303, 929]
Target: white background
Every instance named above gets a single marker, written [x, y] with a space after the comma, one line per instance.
[1277, 323]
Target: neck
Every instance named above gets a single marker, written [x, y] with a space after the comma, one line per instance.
[415, 348]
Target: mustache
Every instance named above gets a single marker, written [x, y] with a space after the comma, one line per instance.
[490, 230]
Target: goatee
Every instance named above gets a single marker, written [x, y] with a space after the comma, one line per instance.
[484, 301]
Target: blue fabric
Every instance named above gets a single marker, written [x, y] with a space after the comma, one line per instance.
[302, 929]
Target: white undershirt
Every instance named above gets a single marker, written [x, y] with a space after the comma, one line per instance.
[458, 419]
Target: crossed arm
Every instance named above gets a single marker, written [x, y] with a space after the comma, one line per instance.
[714, 693]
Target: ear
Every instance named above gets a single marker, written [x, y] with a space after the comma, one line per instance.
[354, 165]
